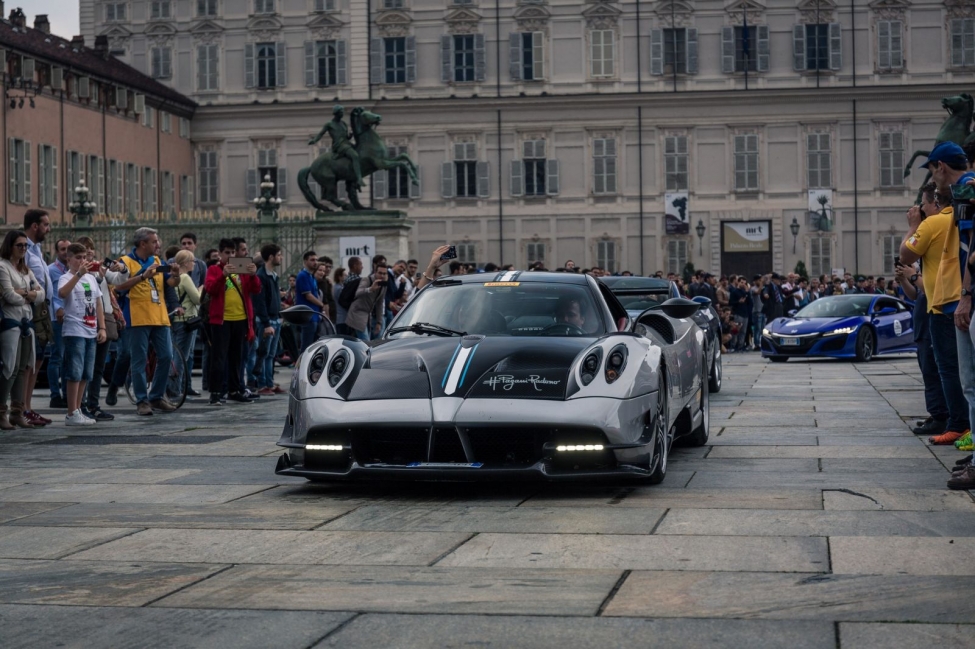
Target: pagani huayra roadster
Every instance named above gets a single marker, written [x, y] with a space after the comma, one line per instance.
[501, 376]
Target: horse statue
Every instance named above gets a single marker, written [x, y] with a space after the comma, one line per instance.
[328, 168]
[957, 128]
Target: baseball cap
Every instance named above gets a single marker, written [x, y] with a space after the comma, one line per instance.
[946, 152]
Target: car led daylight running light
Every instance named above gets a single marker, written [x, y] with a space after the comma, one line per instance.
[323, 447]
[839, 332]
[580, 447]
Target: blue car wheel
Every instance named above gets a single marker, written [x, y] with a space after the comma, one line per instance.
[865, 345]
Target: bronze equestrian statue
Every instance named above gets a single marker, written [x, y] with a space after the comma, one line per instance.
[957, 128]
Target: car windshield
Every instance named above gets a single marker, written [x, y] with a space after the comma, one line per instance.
[840, 306]
[502, 309]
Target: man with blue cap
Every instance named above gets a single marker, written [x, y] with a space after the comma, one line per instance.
[935, 240]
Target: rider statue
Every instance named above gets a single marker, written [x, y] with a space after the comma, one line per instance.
[341, 142]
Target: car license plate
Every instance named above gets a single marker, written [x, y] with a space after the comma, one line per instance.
[789, 342]
[445, 465]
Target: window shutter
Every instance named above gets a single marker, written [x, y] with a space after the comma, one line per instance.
[727, 49]
[341, 63]
[691, 33]
[54, 177]
[27, 171]
[483, 179]
[447, 184]
[411, 59]
[446, 58]
[12, 167]
[310, 64]
[139, 104]
[57, 78]
[201, 67]
[763, 48]
[957, 43]
[249, 71]
[514, 54]
[119, 188]
[416, 191]
[480, 58]
[101, 183]
[896, 45]
[517, 177]
[167, 62]
[69, 172]
[281, 59]
[41, 173]
[282, 183]
[380, 180]
[656, 51]
[154, 199]
[376, 62]
[552, 177]
[883, 44]
[84, 87]
[252, 184]
[835, 46]
[538, 56]
[798, 48]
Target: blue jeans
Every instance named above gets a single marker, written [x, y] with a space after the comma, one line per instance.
[934, 393]
[267, 349]
[966, 371]
[54, 364]
[361, 335]
[758, 323]
[309, 334]
[79, 358]
[250, 358]
[139, 340]
[185, 341]
[945, 345]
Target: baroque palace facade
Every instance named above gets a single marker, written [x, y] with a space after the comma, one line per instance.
[559, 129]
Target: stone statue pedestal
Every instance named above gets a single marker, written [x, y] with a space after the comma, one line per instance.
[390, 228]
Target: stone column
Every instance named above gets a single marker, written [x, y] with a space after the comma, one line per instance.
[391, 229]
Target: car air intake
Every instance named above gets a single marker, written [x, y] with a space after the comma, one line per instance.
[661, 325]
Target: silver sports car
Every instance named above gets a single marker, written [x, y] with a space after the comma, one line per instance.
[501, 376]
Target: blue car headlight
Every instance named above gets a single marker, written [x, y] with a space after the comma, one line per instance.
[842, 331]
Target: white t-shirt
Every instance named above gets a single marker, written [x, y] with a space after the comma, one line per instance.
[80, 314]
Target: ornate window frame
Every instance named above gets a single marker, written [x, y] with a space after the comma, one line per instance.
[603, 16]
[822, 128]
[882, 10]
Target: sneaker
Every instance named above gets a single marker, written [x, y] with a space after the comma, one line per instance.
[266, 392]
[965, 479]
[35, 419]
[930, 426]
[193, 393]
[948, 437]
[59, 402]
[215, 400]
[251, 394]
[100, 415]
[965, 460]
[144, 409]
[162, 405]
[964, 440]
[239, 398]
[112, 397]
[77, 418]
[18, 420]
[278, 389]
[223, 398]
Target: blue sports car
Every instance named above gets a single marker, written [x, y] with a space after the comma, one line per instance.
[842, 326]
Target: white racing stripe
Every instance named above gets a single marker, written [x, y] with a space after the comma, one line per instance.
[457, 370]
[509, 276]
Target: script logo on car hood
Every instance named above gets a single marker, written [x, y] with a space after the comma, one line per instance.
[508, 382]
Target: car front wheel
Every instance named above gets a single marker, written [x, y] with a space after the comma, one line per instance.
[661, 446]
[866, 344]
[714, 379]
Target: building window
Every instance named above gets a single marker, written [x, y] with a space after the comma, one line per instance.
[74, 170]
[606, 255]
[206, 8]
[162, 58]
[206, 67]
[114, 12]
[168, 192]
[95, 178]
[821, 256]
[267, 167]
[604, 165]
[47, 176]
[392, 4]
[160, 10]
[132, 189]
[20, 171]
[527, 56]
[207, 168]
[264, 6]
[464, 58]
[675, 50]
[466, 253]
[327, 55]
[394, 54]
[535, 252]
[465, 169]
[746, 163]
[267, 65]
[676, 256]
[165, 122]
[398, 179]
[745, 59]
[113, 204]
[149, 177]
[602, 53]
[149, 117]
[184, 127]
[675, 162]
[890, 48]
[185, 193]
[818, 163]
[892, 246]
[892, 159]
[817, 47]
[533, 159]
[324, 5]
[962, 42]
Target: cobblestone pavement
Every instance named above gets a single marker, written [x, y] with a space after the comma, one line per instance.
[813, 519]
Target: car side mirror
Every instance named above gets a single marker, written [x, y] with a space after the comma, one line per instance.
[792, 312]
[298, 314]
[703, 301]
[678, 307]
[887, 310]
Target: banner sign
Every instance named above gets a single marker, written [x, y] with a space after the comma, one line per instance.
[676, 213]
[746, 236]
[362, 247]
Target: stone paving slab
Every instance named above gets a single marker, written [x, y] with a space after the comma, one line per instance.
[204, 470]
[378, 494]
[912, 451]
[832, 480]
[229, 516]
[749, 465]
[855, 635]
[755, 522]
[528, 520]
[784, 554]
[867, 498]
[95, 583]
[83, 627]
[13, 511]
[5, 485]
[26, 542]
[745, 437]
[101, 493]
[928, 465]
[776, 596]
[402, 590]
[94, 476]
[903, 555]
[277, 546]
[873, 441]
[686, 498]
[423, 631]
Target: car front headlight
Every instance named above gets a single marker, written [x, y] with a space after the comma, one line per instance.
[842, 331]
[767, 332]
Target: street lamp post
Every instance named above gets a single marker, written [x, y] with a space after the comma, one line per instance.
[267, 203]
[794, 227]
[699, 228]
[81, 207]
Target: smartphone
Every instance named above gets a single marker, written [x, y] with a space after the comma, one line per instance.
[450, 254]
[107, 263]
[897, 261]
[94, 267]
[239, 264]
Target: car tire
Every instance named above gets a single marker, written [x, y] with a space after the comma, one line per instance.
[714, 378]
[866, 345]
[661, 445]
[699, 436]
[778, 359]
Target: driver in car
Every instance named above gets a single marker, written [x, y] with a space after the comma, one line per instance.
[570, 311]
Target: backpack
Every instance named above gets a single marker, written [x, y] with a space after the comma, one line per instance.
[347, 296]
